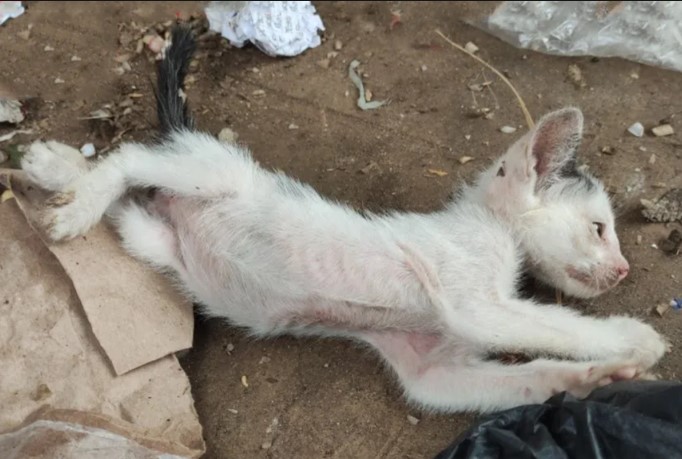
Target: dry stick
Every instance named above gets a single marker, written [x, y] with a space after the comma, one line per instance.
[522, 104]
[524, 109]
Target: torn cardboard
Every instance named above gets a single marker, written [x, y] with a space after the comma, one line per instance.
[50, 355]
[134, 312]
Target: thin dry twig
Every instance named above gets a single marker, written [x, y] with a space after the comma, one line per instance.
[522, 104]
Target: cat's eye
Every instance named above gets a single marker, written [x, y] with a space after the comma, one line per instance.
[599, 227]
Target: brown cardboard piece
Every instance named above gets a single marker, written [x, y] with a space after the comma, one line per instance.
[52, 354]
[134, 312]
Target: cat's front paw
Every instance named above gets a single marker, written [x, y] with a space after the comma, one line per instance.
[581, 382]
[53, 165]
[68, 214]
[639, 341]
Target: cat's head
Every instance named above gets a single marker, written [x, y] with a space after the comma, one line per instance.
[561, 215]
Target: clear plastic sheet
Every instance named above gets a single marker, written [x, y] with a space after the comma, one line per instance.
[644, 32]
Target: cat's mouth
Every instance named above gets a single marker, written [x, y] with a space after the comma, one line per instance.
[588, 279]
[581, 276]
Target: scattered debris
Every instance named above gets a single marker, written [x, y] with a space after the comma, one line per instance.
[3, 157]
[636, 129]
[10, 111]
[58, 81]
[10, 135]
[263, 24]
[368, 95]
[423, 68]
[661, 309]
[10, 10]
[233, 411]
[227, 135]
[258, 93]
[412, 420]
[75, 58]
[634, 76]
[608, 150]
[652, 159]
[471, 47]
[396, 18]
[437, 172]
[668, 208]
[638, 241]
[338, 45]
[88, 150]
[270, 434]
[663, 130]
[465, 159]
[41, 393]
[676, 304]
[245, 382]
[263, 360]
[576, 76]
[229, 348]
[362, 102]
[673, 243]
[372, 166]
[293, 127]
[478, 87]
[324, 63]
[508, 129]
[467, 137]
[48, 48]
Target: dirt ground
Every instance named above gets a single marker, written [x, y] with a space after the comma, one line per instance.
[331, 399]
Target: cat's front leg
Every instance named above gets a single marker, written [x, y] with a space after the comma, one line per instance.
[523, 326]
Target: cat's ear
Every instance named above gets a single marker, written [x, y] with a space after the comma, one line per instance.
[553, 145]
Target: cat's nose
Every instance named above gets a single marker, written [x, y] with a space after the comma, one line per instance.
[623, 269]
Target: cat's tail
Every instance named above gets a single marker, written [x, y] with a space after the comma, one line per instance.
[171, 102]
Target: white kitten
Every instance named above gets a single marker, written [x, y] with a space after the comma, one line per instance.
[432, 293]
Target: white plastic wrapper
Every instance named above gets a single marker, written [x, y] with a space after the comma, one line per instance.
[645, 32]
[277, 28]
[10, 10]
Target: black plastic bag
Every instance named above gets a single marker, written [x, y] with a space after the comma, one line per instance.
[624, 420]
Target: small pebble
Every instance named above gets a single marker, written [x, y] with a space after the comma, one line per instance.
[368, 95]
[232, 410]
[423, 68]
[245, 382]
[465, 159]
[636, 129]
[471, 47]
[258, 93]
[663, 130]
[639, 239]
[412, 420]
[263, 360]
[634, 76]
[48, 48]
[58, 81]
[88, 150]
[641, 148]
[608, 150]
[227, 135]
[652, 159]
[467, 137]
[508, 129]
[230, 347]
[255, 70]
[324, 63]
[338, 45]
[75, 59]
[293, 126]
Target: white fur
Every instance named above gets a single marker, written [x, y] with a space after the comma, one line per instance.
[433, 293]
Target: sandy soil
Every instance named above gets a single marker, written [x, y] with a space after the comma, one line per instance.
[331, 399]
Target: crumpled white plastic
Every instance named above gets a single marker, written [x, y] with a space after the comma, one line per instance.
[649, 32]
[10, 10]
[284, 28]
